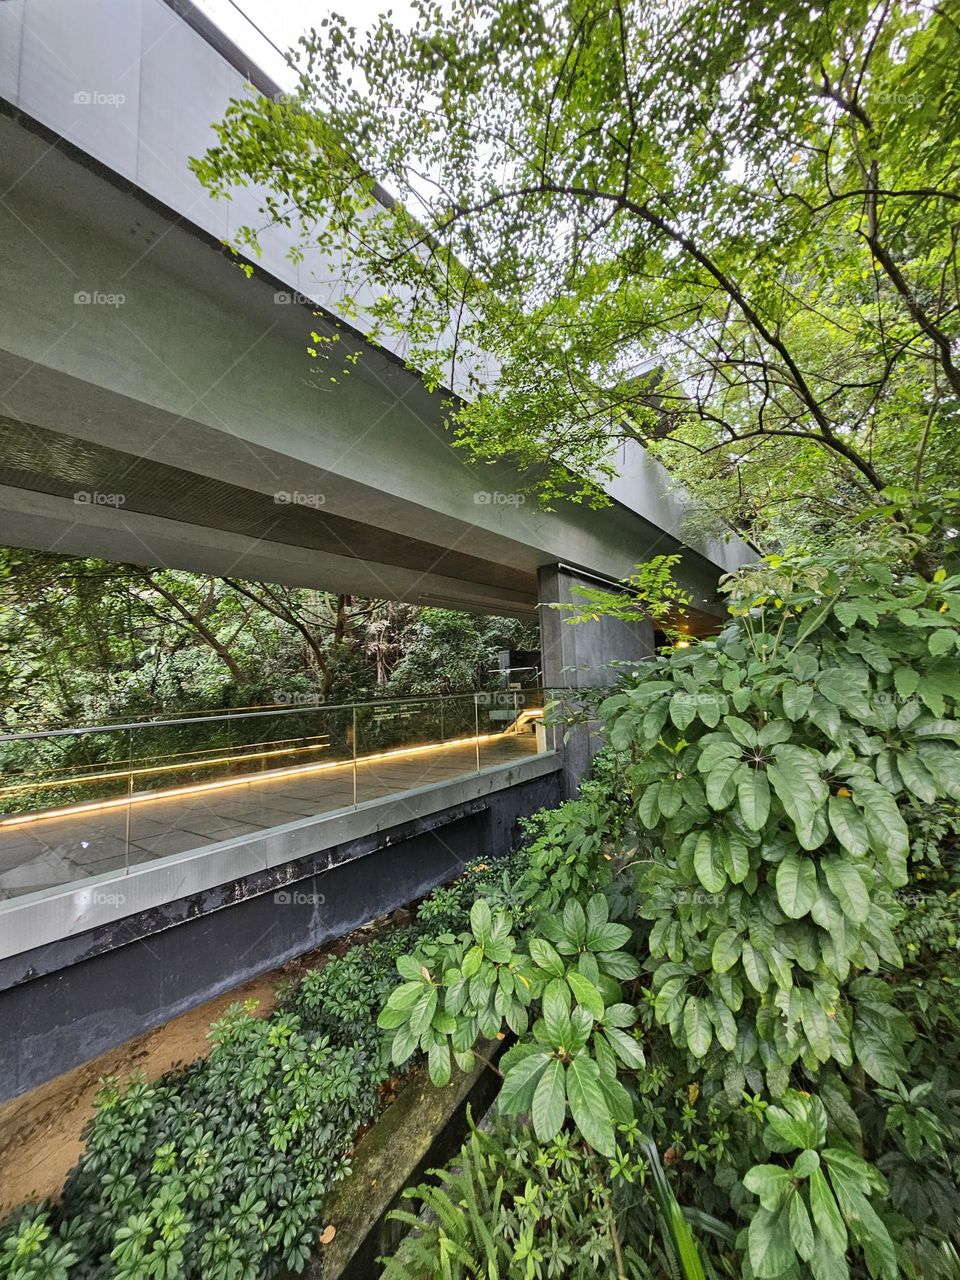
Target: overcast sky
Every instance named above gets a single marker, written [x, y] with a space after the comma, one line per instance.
[284, 20]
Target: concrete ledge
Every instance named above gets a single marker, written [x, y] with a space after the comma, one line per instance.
[67, 1002]
[38, 919]
[422, 1130]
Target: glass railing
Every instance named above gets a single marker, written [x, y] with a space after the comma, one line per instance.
[82, 802]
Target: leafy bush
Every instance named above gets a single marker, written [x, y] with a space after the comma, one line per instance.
[219, 1171]
[510, 1206]
[783, 780]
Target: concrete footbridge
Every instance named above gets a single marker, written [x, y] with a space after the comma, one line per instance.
[158, 407]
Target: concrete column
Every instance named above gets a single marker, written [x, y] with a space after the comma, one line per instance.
[580, 656]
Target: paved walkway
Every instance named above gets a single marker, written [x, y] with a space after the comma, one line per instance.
[60, 850]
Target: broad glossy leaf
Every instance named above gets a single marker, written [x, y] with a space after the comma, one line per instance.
[753, 796]
[726, 950]
[549, 1107]
[626, 1048]
[796, 885]
[801, 1228]
[438, 1062]
[846, 885]
[588, 1104]
[721, 783]
[708, 862]
[848, 825]
[520, 1082]
[546, 956]
[771, 1183]
[697, 1026]
[826, 1214]
[768, 1244]
[586, 994]
[756, 968]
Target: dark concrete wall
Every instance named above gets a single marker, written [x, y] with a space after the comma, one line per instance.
[64, 1004]
[583, 656]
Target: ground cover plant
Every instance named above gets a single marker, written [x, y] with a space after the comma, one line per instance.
[766, 989]
[219, 1171]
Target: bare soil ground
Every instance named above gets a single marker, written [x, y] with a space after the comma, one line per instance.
[40, 1131]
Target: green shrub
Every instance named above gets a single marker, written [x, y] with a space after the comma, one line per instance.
[219, 1171]
[510, 1206]
[782, 780]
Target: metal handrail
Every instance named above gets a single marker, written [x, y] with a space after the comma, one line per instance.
[33, 735]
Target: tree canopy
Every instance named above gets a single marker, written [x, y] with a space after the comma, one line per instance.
[726, 228]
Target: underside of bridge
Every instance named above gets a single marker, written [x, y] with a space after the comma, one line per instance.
[158, 407]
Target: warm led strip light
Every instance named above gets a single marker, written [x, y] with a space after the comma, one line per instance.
[98, 806]
[171, 767]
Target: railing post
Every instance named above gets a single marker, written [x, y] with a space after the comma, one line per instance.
[126, 849]
[441, 717]
[516, 713]
[354, 755]
[476, 721]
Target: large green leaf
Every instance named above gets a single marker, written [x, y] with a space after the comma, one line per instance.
[549, 1107]
[708, 862]
[796, 699]
[768, 1243]
[626, 1048]
[481, 921]
[801, 1228]
[697, 1026]
[796, 885]
[848, 825]
[519, 1083]
[588, 1104]
[753, 796]
[846, 885]
[771, 1183]
[756, 968]
[586, 994]
[826, 1214]
[916, 777]
[721, 783]
[546, 957]
[726, 950]
[438, 1063]
[797, 792]
[556, 1011]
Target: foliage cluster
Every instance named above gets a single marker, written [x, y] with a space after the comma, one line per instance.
[774, 1001]
[219, 1171]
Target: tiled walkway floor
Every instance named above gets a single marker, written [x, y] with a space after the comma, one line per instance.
[54, 851]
